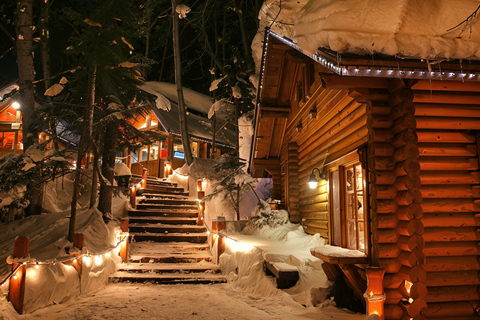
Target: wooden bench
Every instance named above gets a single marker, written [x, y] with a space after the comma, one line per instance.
[286, 274]
[340, 261]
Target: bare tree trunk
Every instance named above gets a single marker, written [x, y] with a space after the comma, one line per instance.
[239, 12]
[94, 191]
[178, 81]
[44, 36]
[84, 141]
[237, 149]
[26, 69]
[108, 167]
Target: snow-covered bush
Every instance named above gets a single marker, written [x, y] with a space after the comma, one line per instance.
[263, 216]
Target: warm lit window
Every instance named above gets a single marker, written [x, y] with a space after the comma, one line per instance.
[354, 207]
[348, 206]
[7, 140]
[143, 154]
[154, 151]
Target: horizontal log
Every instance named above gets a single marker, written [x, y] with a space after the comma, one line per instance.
[451, 264]
[445, 136]
[452, 191]
[322, 197]
[405, 137]
[332, 81]
[381, 163]
[451, 248]
[410, 181]
[411, 259]
[407, 166]
[447, 149]
[383, 177]
[315, 215]
[404, 228]
[388, 250]
[380, 135]
[450, 234]
[446, 85]
[418, 290]
[445, 97]
[416, 309]
[311, 230]
[316, 207]
[410, 243]
[378, 108]
[393, 311]
[448, 278]
[400, 96]
[316, 224]
[403, 123]
[448, 163]
[365, 95]
[445, 110]
[382, 149]
[393, 280]
[408, 151]
[391, 265]
[382, 192]
[379, 122]
[452, 310]
[450, 219]
[387, 221]
[451, 123]
[393, 296]
[412, 211]
[452, 293]
[447, 178]
[450, 205]
[405, 198]
[384, 206]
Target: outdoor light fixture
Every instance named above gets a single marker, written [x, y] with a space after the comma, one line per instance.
[313, 182]
[16, 105]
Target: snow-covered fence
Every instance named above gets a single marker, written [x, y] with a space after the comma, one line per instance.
[36, 284]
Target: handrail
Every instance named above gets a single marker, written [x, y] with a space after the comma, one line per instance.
[54, 261]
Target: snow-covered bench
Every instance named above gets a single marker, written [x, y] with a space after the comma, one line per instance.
[286, 274]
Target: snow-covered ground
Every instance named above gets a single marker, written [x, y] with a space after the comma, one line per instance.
[250, 293]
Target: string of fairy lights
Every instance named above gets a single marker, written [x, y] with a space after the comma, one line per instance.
[85, 257]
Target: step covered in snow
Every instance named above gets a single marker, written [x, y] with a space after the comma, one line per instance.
[174, 278]
[163, 220]
[169, 237]
[164, 228]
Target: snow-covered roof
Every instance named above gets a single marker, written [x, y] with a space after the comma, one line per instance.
[414, 29]
[404, 28]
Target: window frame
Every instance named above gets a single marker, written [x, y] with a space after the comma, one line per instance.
[340, 166]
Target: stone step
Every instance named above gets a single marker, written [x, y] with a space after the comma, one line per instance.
[142, 248]
[163, 220]
[198, 267]
[164, 228]
[170, 237]
[164, 189]
[186, 258]
[165, 196]
[178, 202]
[122, 276]
[162, 213]
[154, 180]
[153, 206]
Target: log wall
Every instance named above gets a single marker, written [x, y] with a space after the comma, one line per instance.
[447, 122]
[338, 128]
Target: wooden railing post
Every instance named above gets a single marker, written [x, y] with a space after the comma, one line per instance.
[221, 226]
[199, 185]
[78, 242]
[201, 207]
[375, 296]
[124, 244]
[133, 196]
[17, 281]
[144, 178]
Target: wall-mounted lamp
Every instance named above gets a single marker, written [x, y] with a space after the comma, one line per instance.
[16, 105]
[313, 182]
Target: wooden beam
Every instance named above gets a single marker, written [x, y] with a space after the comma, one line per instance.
[333, 81]
[295, 56]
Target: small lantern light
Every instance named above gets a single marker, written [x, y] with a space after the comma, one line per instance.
[16, 105]
[313, 182]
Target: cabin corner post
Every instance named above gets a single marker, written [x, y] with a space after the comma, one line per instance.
[17, 281]
[407, 207]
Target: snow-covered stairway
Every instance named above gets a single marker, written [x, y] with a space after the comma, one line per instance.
[166, 244]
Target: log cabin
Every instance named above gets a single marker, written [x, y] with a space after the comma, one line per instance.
[10, 121]
[394, 143]
[163, 121]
